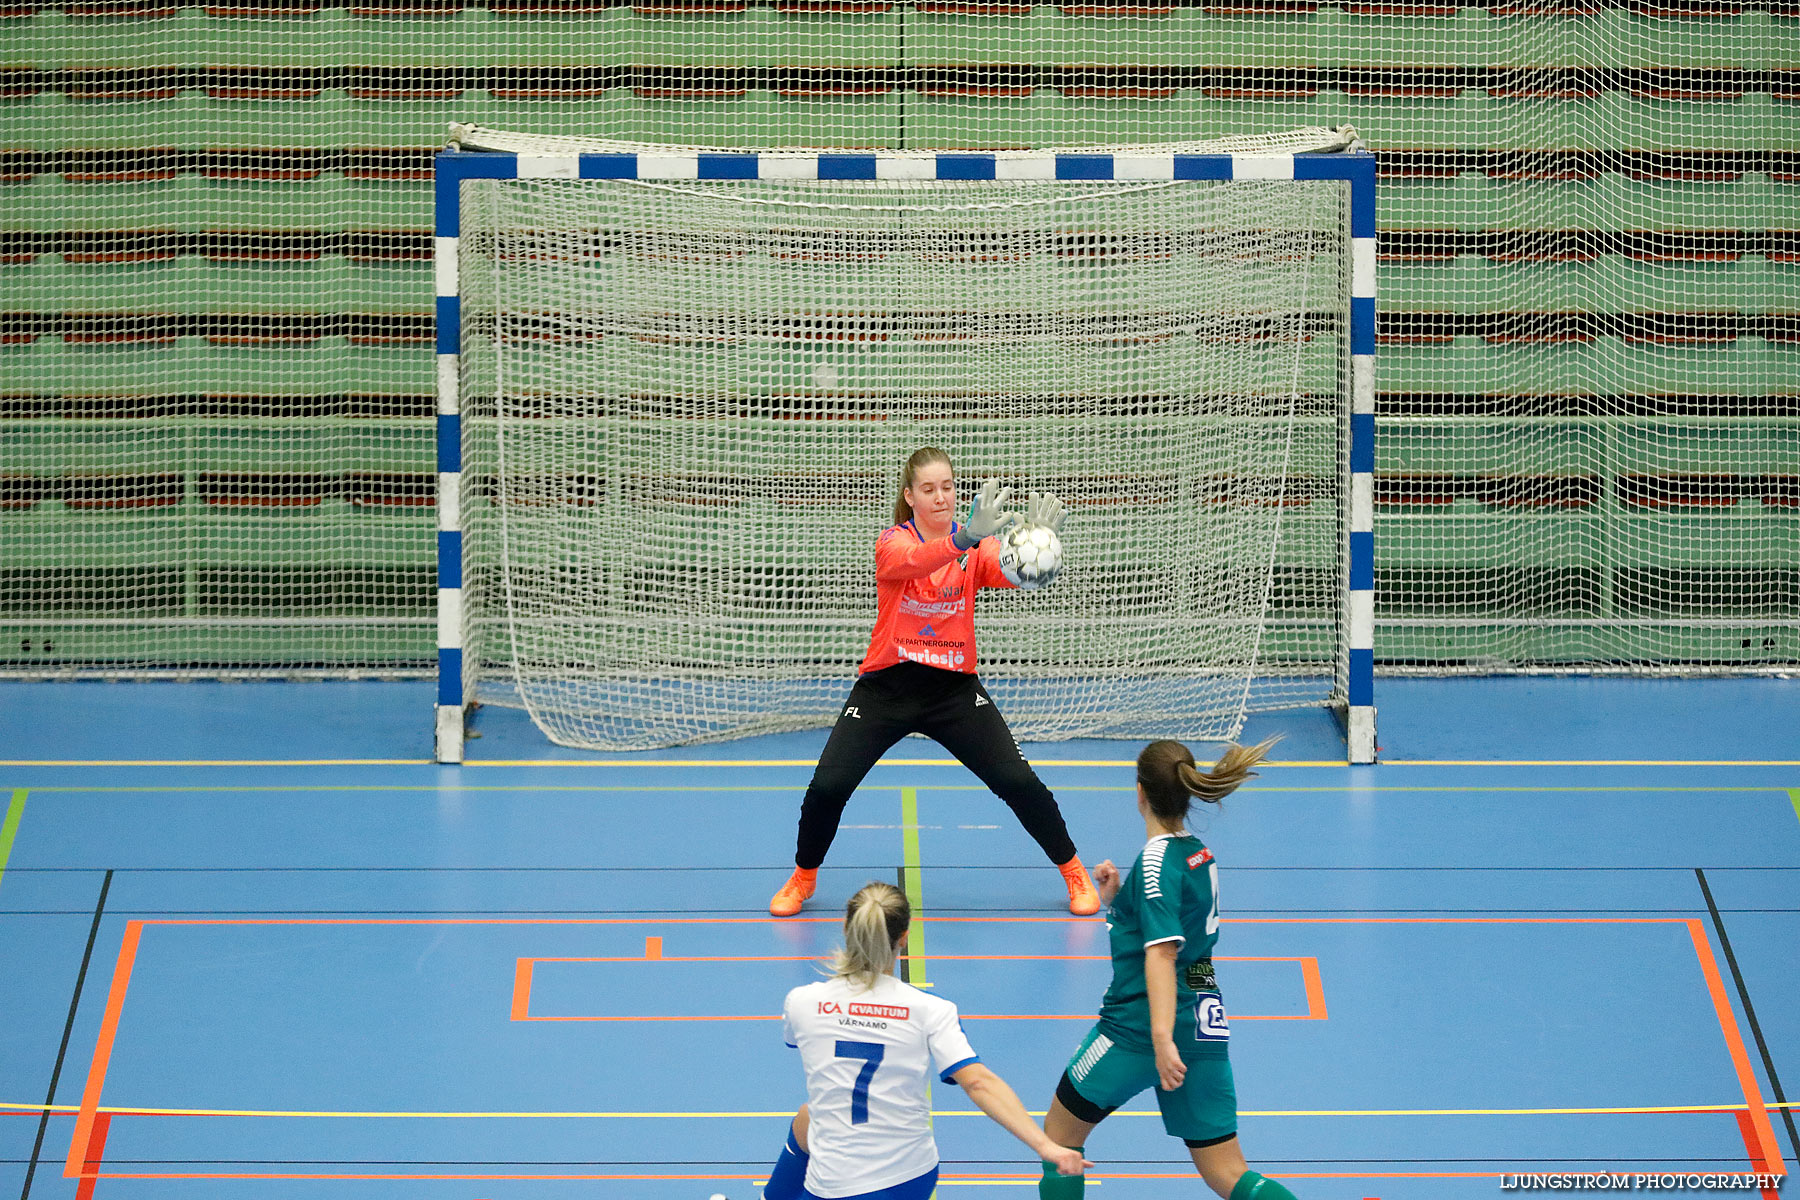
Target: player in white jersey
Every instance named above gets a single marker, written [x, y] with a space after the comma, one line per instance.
[868, 1044]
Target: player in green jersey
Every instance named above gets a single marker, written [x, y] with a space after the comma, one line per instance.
[1162, 1024]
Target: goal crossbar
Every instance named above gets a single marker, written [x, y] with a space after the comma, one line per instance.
[1356, 169]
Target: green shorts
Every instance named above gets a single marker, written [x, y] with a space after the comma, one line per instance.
[1102, 1076]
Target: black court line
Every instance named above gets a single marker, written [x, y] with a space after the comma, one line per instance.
[589, 869]
[1047, 911]
[1372, 1162]
[902, 962]
[1737, 977]
[1658, 1165]
[788, 867]
[62, 1051]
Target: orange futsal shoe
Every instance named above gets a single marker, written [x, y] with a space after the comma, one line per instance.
[799, 889]
[1084, 901]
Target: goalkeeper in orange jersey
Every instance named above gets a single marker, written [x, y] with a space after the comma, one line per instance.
[919, 673]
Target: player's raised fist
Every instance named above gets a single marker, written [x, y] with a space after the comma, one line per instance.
[1106, 881]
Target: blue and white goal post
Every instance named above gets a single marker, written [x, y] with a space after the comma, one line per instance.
[1356, 169]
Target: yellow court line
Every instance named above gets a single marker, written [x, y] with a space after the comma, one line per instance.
[569, 762]
[1131, 762]
[889, 762]
[675, 762]
[215, 762]
[135, 1111]
[9, 829]
[787, 788]
[426, 762]
[913, 874]
[943, 1183]
[1590, 762]
[997, 1182]
[127, 1110]
[813, 762]
[1447, 1112]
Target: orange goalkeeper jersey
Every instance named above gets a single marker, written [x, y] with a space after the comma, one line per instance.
[925, 599]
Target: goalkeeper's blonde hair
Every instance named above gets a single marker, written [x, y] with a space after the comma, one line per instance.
[1172, 782]
[924, 456]
[876, 918]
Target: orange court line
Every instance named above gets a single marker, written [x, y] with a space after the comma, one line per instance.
[1439, 920]
[1085, 1016]
[521, 999]
[659, 956]
[1315, 988]
[518, 920]
[1734, 1043]
[1747, 1131]
[1281, 1175]
[946, 920]
[398, 1177]
[79, 1149]
[1095, 1176]
[1739, 1111]
[524, 968]
[76, 1166]
[96, 1153]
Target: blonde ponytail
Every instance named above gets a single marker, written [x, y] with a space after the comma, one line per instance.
[1170, 779]
[876, 918]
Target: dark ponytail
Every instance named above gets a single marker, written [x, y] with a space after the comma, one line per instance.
[1171, 781]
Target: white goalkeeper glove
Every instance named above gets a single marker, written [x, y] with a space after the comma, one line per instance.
[1043, 508]
[985, 516]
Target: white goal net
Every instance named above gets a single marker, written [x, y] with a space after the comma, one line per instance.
[686, 405]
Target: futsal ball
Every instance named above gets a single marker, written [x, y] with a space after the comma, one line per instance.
[1030, 556]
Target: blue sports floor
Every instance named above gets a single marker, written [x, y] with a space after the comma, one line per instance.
[253, 944]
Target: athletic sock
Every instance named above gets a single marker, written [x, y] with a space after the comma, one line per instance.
[1057, 1186]
[1251, 1186]
[788, 1179]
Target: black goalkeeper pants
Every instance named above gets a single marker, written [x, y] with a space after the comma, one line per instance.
[952, 709]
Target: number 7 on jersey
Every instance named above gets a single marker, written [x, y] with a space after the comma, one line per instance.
[870, 1053]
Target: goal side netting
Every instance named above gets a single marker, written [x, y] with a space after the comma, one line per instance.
[685, 405]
